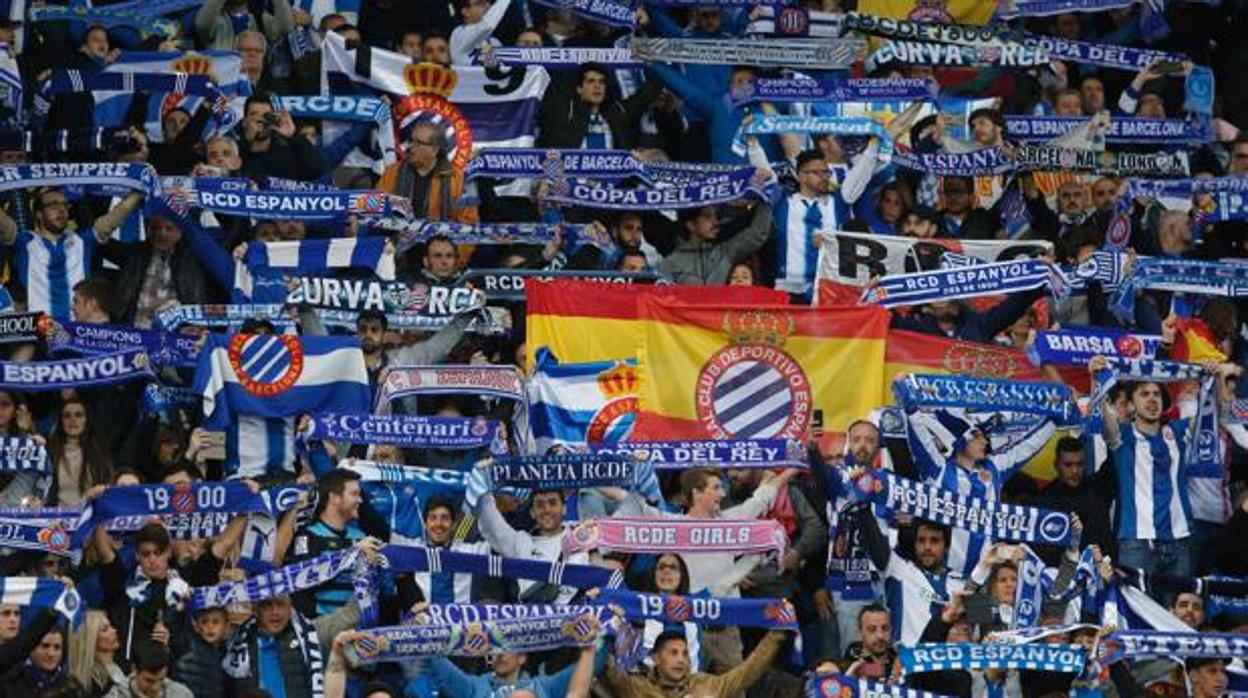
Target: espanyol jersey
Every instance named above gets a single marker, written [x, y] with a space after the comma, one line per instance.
[1152, 502]
[49, 270]
[797, 221]
[256, 447]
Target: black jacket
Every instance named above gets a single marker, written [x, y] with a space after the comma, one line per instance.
[564, 118]
[290, 158]
[190, 282]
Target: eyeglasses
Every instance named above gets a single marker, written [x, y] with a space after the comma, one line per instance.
[667, 567]
[427, 144]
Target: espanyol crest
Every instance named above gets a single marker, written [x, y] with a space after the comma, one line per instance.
[183, 499]
[752, 388]
[677, 608]
[266, 364]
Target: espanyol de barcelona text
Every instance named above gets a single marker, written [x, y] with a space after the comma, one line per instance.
[697, 535]
[946, 389]
[946, 504]
[303, 203]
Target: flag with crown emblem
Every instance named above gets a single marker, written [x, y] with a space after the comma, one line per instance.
[224, 69]
[483, 107]
[578, 404]
[936, 11]
[756, 372]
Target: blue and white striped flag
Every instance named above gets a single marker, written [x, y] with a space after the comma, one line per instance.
[279, 376]
[499, 109]
[225, 68]
[37, 592]
[575, 404]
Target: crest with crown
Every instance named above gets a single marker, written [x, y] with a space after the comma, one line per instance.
[425, 82]
[618, 381]
[758, 327]
[192, 64]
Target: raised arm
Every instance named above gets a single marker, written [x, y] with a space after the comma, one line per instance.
[1013, 459]
[107, 223]
[1109, 415]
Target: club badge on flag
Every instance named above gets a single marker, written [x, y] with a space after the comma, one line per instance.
[268, 375]
[755, 372]
[576, 404]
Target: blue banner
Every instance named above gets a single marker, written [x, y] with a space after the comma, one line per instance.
[406, 431]
[46, 376]
[734, 453]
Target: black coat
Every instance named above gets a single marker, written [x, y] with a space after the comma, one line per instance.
[564, 118]
[190, 282]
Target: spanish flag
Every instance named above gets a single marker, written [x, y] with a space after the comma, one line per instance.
[915, 352]
[756, 371]
[588, 321]
[1194, 342]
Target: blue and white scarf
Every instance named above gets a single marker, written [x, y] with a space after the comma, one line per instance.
[45, 376]
[355, 108]
[1226, 279]
[961, 656]
[977, 163]
[1031, 591]
[1050, 400]
[775, 124]
[841, 686]
[1005, 54]
[813, 54]
[607, 12]
[307, 257]
[186, 502]
[223, 315]
[1198, 91]
[417, 303]
[575, 235]
[289, 579]
[406, 431]
[605, 165]
[804, 89]
[963, 282]
[559, 58]
[731, 453]
[37, 592]
[221, 195]
[470, 630]
[1226, 206]
[1203, 458]
[1075, 347]
[401, 558]
[163, 348]
[23, 453]
[237, 660]
[139, 589]
[1103, 55]
[102, 177]
[397, 473]
[712, 191]
[509, 284]
[770, 614]
[794, 21]
[1125, 129]
[16, 328]
[993, 519]
[1184, 188]
[1154, 644]
[46, 535]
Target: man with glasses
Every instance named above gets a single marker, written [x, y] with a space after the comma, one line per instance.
[428, 179]
[813, 208]
[51, 260]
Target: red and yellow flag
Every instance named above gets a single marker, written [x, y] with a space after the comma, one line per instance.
[1195, 342]
[756, 371]
[587, 321]
[937, 11]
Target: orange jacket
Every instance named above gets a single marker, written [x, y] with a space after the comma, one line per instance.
[444, 176]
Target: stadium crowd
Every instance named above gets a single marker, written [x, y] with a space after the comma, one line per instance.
[220, 471]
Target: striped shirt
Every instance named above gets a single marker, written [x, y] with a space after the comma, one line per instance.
[49, 270]
[1153, 501]
[914, 596]
[257, 447]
